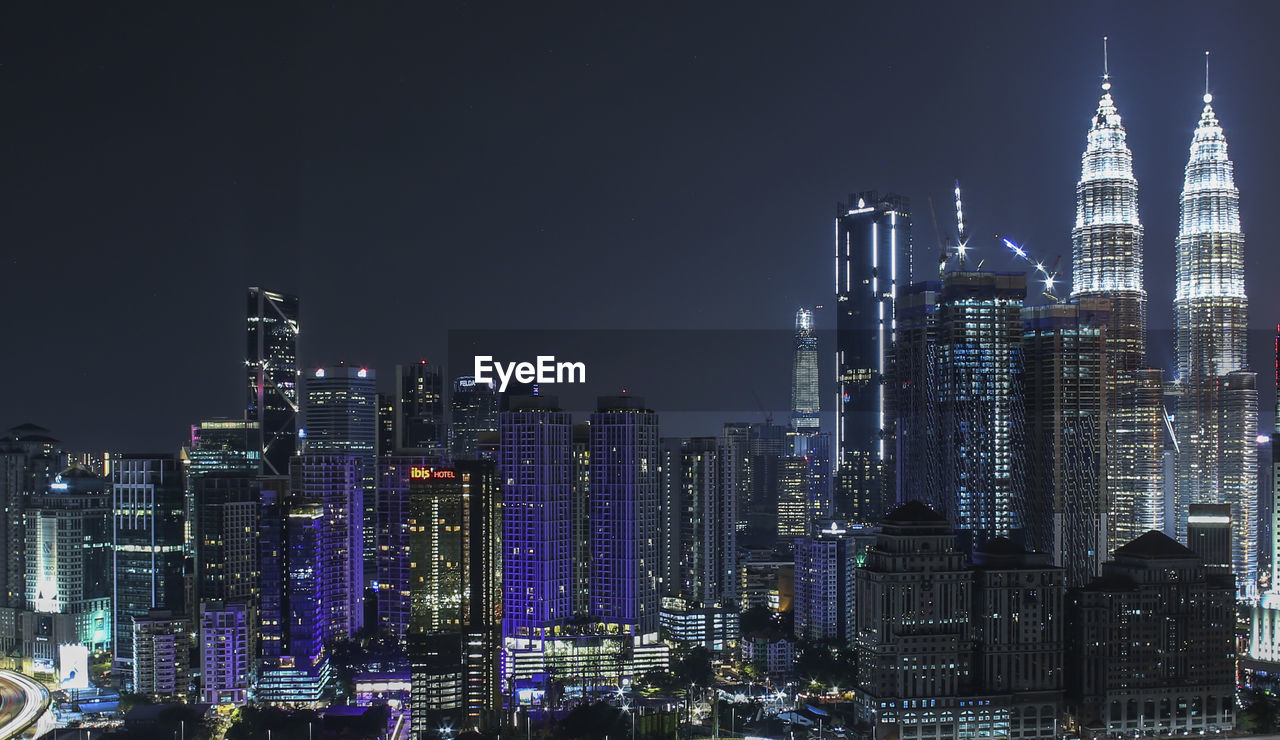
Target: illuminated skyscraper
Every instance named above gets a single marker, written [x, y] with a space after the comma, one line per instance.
[271, 362]
[977, 365]
[1217, 411]
[804, 375]
[1107, 265]
[872, 261]
[475, 411]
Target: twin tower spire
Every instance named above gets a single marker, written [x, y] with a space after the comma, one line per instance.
[1214, 400]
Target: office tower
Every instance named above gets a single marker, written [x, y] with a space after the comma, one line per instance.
[698, 543]
[475, 411]
[419, 407]
[29, 460]
[804, 375]
[148, 500]
[335, 483]
[341, 413]
[161, 654]
[793, 498]
[68, 549]
[1135, 674]
[873, 261]
[951, 650]
[1107, 262]
[697, 532]
[1061, 502]
[271, 362]
[536, 460]
[914, 397]
[1209, 534]
[223, 445]
[977, 365]
[296, 601]
[226, 537]
[1212, 422]
[624, 518]
[392, 585]
[386, 425]
[825, 562]
[1275, 476]
[455, 555]
[226, 652]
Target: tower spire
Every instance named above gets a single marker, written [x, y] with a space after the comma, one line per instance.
[1106, 69]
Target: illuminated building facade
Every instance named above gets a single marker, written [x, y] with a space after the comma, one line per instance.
[226, 536]
[1130, 674]
[148, 500]
[341, 414]
[335, 483]
[391, 589]
[29, 461]
[226, 652]
[624, 499]
[162, 644]
[69, 553]
[825, 562]
[1062, 503]
[977, 364]
[805, 397]
[1107, 263]
[271, 364]
[455, 557]
[872, 263]
[793, 498]
[1214, 423]
[699, 537]
[914, 400]
[226, 445]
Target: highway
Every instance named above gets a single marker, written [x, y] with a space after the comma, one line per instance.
[22, 702]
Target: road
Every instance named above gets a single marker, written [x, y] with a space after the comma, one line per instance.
[22, 702]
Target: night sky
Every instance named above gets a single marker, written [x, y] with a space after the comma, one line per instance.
[418, 167]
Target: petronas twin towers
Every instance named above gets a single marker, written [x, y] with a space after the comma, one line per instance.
[1214, 399]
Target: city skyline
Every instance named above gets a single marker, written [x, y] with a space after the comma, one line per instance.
[263, 217]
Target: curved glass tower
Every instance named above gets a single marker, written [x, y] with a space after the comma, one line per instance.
[1216, 421]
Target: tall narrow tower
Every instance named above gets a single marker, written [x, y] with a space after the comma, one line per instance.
[804, 375]
[1217, 412]
[1107, 265]
[271, 363]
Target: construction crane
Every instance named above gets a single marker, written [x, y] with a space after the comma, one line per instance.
[1048, 276]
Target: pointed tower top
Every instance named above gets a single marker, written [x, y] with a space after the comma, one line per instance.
[1207, 97]
[1106, 71]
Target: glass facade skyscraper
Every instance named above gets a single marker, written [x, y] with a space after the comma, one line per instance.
[419, 407]
[872, 263]
[271, 363]
[804, 375]
[474, 409]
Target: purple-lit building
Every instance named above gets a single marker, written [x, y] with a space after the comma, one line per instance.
[391, 588]
[336, 484]
[536, 463]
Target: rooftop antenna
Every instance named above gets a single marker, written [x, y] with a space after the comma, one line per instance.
[1207, 97]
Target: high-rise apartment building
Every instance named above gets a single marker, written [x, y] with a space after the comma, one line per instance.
[805, 398]
[335, 483]
[825, 565]
[1214, 422]
[698, 532]
[148, 500]
[1062, 503]
[162, 655]
[226, 537]
[873, 263]
[227, 649]
[271, 363]
[624, 499]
